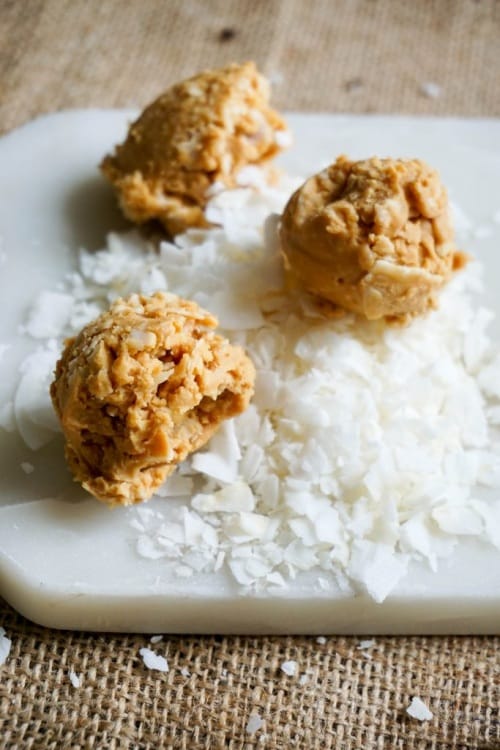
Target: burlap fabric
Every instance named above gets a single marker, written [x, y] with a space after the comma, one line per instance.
[351, 55]
[328, 55]
[350, 701]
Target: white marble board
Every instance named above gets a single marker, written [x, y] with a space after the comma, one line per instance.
[67, 561]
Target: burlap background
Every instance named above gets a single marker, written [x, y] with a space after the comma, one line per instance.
[330, 55]
[349, 55]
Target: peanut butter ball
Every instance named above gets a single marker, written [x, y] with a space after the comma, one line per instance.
[373, 237]
[141, 387]
[199, 132]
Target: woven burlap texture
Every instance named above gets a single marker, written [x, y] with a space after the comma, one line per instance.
[349, 55]
[352, 700]
[328, 55]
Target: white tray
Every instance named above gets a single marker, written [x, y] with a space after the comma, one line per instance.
[65, 560]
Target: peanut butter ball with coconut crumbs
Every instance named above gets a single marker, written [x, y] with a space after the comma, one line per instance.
[141, 387]
[200, 132]
[373, 237]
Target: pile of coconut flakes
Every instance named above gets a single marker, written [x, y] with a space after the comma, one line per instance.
[364, 446]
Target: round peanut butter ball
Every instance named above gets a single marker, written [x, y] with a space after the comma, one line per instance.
[201, 131]
[140, 388]
[373, 237]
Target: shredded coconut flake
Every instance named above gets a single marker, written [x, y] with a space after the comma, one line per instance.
[254, 724]
[418, 710]
[430, 90]
[75, 679]
[321, 640]
[5, 644]
[289, 668]
[283, 138]
[153, 660]
[34, 415]
[49, 315]
[276, 77]
[156, 639]
[362, 645]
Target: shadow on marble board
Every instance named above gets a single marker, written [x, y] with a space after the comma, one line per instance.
[91, 211]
